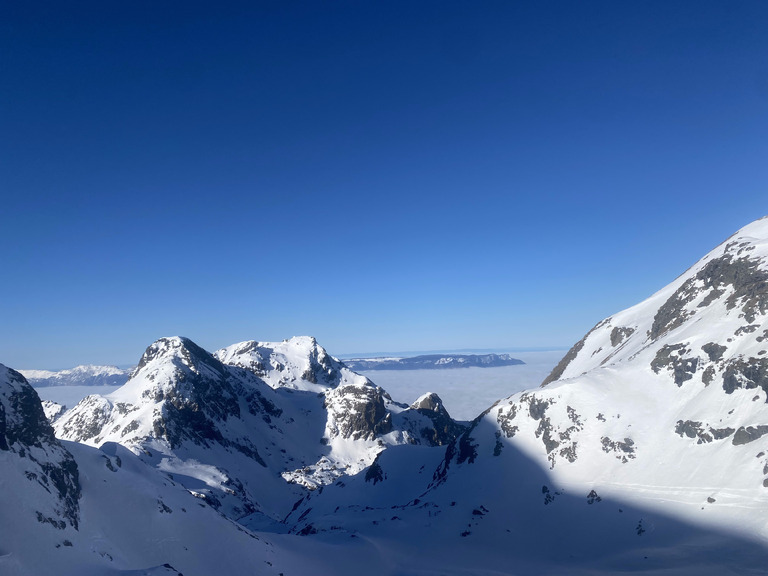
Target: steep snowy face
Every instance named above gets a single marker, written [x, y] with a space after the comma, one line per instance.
[646, 449]
[29, 450]
[443, 428]
[724, 297]
[299, 363]
[357, 412]
[186, 412]
[177, 393]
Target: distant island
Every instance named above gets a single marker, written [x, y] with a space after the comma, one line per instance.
[433, 362]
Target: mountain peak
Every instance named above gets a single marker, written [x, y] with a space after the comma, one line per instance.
[173, 346]
[429, 401]
[298, 362]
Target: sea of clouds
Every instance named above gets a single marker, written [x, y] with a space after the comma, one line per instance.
[466, 392]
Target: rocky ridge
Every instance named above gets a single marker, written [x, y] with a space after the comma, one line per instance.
[239, 423]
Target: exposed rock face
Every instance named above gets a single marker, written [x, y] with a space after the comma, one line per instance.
[87, 421]
[443, 429]
[713, 351]
[180, 403]
[357, 412]
[673, 357]
[430, 402]
[558, 370]
[620, 333]
[52, 410]
[734, 273]
[27, 435]
[745, 435]
[746, 373]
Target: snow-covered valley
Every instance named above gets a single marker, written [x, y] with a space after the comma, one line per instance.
[645, 450]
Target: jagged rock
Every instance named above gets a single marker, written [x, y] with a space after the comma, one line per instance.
[443, 429]
[704, 434]
[672, 357]
[358, 412]
[714, 351]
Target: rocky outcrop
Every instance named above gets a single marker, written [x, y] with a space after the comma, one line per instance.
[443, 428]
[357, 412]
[734, 273]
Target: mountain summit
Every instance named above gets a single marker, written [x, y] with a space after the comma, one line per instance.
[253, 426]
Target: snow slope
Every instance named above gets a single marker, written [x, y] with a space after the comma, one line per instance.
[70, 509]
[253, 434]
[646, 449]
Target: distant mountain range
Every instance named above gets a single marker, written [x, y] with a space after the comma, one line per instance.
[78, 376]
[433, 362]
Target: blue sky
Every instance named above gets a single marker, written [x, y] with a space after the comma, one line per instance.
[381, 175]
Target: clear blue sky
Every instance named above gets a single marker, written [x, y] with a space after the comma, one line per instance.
[382, 175]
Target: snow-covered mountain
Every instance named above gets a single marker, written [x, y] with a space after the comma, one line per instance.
[253, 426]
[70, 509]
[646, 449]
[433, 362]
[78, 376]
[29, 449]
